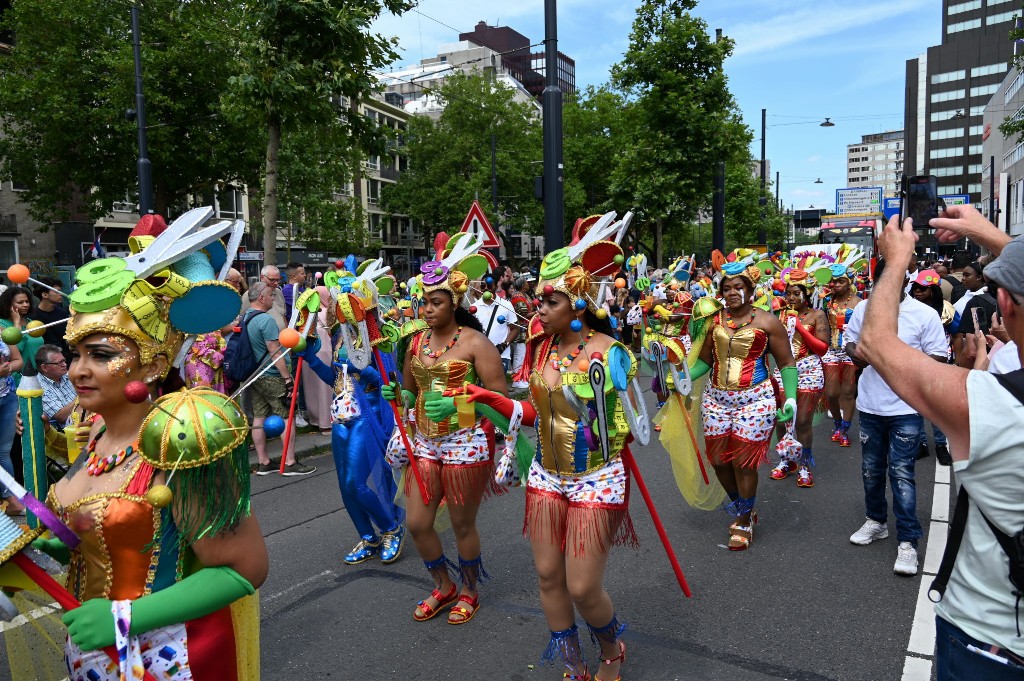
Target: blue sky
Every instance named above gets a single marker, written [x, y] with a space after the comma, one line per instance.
[802, 60]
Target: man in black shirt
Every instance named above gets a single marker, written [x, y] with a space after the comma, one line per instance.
[51, 309]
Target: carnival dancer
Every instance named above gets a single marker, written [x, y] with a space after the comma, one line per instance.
[362, 420]
[809, 341]
[840, 373]
[160, 497]
[739, 406]
[454, 458]
[577, 489]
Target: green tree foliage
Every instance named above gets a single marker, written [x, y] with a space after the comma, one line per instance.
[65, 88]
[300, 58]
[450, 159]
[593, 131]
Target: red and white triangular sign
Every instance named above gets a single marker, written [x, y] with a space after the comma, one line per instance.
[476, 223]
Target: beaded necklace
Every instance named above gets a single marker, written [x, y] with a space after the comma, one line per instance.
[98, 464]
[566, 362]
[434, 354]
[733, 325]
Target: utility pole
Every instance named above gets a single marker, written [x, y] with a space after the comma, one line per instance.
[762, 237]
[145, 170]
[967, 131]
[554, 208]
[718, 209]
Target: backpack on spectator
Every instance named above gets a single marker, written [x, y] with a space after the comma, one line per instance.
[239, 360]
[1012, 545]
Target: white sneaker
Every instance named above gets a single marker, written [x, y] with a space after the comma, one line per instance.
[906, 559]
[870, 531]
[300, 422]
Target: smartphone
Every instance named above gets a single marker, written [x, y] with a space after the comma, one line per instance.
[919, 200]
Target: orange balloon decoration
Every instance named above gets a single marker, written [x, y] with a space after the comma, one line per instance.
[620, 283]
[18, 274]
[289, 338]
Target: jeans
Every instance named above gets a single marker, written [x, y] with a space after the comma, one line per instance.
[940, 437]
[889, 445]
[954, 661]
[8, 413]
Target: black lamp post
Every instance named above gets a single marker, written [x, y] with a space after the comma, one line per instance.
[554, 207]
[144, 168]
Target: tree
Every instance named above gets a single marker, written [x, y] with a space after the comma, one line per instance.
[593, 136]
[681, 115]
[305, 64]
[65, 87]
[450, 159]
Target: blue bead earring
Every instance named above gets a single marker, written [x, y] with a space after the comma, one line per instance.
[576, 325]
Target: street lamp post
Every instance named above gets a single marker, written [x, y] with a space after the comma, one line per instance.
[762, 236]
[554, 208]
[145, 169]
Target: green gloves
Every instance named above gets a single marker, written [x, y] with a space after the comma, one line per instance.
[54, 548]
[790, 380]
[700, 367]
[91, 626]
[389, 394]
[437, 407]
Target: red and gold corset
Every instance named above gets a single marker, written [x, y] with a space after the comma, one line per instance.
[450, 374]
[739, 359]
[800, 349]
[838, 317]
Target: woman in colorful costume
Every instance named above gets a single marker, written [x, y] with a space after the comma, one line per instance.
[577, 487]
[363, 421]
[170, 549]
[739, 405]
[840, 373]
[809, 338]
[455, 462]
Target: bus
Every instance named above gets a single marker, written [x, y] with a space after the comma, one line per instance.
[860, 230]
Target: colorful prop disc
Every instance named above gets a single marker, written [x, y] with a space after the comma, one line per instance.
[206, 307]
[433, 272]
[103, 293]
[206, 426]
[474, 266]
[599, 259]
[331, 279]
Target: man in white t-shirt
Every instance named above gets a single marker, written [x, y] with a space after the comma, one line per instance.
[978, 619]
[889, 430]
[498, 317]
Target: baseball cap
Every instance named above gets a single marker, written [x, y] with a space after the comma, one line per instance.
[927, 278]
[1008, 269]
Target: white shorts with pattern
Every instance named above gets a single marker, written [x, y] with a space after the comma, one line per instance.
[605, 487]
[466, 446]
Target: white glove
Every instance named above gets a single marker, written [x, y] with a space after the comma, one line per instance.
[788, 411]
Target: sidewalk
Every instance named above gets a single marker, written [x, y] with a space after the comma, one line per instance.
[305, 444]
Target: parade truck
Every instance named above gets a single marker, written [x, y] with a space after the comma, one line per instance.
[860, 230]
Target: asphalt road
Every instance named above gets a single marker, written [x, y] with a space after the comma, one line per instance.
[803, 603]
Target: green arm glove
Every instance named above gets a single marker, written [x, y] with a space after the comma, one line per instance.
[790, 380]
[389, 394]
[54, 548]
[437, 407]
[91, 626]
[700, 367]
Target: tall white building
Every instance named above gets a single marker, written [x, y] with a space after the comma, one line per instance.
[876, 161]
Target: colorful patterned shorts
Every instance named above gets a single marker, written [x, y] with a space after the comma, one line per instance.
[738, 423]
[834, 356]
[466, 446]
[606, 487]
[811, 375]
[839, 366]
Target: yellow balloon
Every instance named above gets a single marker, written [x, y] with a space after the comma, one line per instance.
[33, 328]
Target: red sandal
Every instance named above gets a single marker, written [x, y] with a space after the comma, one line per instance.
[429, 612]
[578, 677]
[461, 612]
[621, 657]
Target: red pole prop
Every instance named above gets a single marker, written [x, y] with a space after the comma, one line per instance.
[693, 440]
[290, 425]
[627, 458]
[401, 429]
[60, 594]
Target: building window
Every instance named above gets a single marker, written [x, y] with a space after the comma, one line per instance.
[984, 90]
[992, 3]
[964, 7]
[8, 252]
[963, 26]
[1000, 18]
[947, 96]
[988, 70]
[948, 77]
[230, 203]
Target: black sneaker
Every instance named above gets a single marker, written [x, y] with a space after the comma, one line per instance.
[299, 468]
[922, 452]
[942, 455]
[266, 468]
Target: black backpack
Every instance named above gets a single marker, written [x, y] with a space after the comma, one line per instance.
[239, 360]
[1012, 545]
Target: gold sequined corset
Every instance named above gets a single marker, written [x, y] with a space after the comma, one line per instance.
[449, 374]
[739, 359]
[117, 558]
[800, 349]
[838, 318]
[563, 446]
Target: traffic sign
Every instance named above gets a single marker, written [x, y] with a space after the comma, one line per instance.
[858, 200]
[476, 223]
[251, 255]
[956, 199]
[491, 259]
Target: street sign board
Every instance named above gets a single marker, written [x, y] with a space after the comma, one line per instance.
[476, 223]
[858, 200]
[491, 259]
[891, 207]
[956, 199]
[250, 255]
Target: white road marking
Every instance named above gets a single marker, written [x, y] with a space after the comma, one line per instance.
[918, 666]
[28, 617]
[297, 585]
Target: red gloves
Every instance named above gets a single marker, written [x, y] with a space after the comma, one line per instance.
[815, 344]
[499, 403]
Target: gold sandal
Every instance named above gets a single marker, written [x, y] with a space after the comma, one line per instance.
[740, 536]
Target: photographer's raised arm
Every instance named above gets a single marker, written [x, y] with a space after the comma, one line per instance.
[964, 221]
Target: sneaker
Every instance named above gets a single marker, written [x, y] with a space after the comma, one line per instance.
[266, 468]
[870, 531]
[781, 471]
[300, 421]
[837, 433]
[942, 455]
[844, 440]
[299, 468]
[906, 559]
[922, 452]
[804, 477]
[367, 548]
[391, 544]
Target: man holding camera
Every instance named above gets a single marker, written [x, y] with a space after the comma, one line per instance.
[978, 618]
